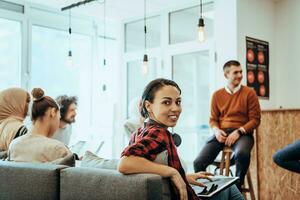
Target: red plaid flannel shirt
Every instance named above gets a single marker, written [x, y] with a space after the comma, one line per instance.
[150, 140]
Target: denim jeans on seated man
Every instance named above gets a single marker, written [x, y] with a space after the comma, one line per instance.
[289, 157]
[241, 149]
[231, 193]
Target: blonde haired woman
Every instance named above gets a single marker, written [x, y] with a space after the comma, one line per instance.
[13, 110]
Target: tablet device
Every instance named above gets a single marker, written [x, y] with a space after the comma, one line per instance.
[218, 184]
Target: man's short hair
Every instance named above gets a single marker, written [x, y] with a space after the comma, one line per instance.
[230, 63]
[64, 102]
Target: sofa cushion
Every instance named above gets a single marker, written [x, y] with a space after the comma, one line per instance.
[68, 160]
[3, 155]
[91, 183]
[162, 158]
[91, 160]
[29, 181]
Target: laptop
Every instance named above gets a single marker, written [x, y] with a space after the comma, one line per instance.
[76, 148]
[99, 147]
[82, 146]
[218, 184]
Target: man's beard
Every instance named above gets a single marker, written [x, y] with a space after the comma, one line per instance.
[69, 121]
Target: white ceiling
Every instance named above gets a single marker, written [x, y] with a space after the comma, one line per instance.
[116, 9]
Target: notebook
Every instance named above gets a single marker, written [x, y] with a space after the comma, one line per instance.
[218, 184]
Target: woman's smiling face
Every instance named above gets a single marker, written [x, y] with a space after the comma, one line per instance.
[166, 106]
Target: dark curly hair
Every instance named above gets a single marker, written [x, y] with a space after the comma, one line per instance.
[64, 102]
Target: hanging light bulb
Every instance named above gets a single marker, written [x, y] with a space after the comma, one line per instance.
[201, 30]
[145, 66]
[69, 61]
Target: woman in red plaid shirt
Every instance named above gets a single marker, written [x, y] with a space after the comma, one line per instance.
[161, 106]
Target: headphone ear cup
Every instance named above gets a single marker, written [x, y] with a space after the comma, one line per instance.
[176, 139]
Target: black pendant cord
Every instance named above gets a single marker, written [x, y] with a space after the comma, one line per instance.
[104, 32]
[70, 33]
[145, 28]
[200, 8]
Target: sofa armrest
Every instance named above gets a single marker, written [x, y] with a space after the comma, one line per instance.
[91, 183]
[29, 180]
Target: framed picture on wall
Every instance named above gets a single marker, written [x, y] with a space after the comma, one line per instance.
[257, 65]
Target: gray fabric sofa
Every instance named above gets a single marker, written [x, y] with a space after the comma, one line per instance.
[45, 181]
[29, 181]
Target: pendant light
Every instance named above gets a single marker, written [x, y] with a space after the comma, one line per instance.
[201, 31]
[145, 66]
[70, 56]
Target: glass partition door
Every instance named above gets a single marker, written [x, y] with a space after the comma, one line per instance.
[52, 71]
[137, 80]
[191, 71]
[10, 53]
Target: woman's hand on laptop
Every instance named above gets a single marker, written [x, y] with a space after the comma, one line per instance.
[192, 178]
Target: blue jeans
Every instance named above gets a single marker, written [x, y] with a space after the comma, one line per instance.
[242, 149]
[289, 157]
[231, 193]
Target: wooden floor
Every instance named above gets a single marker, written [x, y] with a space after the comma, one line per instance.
[278, 128]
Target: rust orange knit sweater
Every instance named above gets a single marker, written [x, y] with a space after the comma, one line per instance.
[240, 109]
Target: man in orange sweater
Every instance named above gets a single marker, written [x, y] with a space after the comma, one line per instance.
[235, 113]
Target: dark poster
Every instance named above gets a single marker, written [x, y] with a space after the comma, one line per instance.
[257, 65]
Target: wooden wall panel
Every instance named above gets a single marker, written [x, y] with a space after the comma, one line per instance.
[253, 167]
[278, 128]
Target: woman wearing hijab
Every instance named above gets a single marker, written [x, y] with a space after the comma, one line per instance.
[13, 110]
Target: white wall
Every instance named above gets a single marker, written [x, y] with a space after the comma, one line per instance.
[225, 37]
[278, 23]
[287, 35]
[256, 18]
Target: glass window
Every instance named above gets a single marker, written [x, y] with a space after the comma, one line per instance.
[105, 90]
[184, 24]
[52, 71]
[136, 80]
[134, 34]
[191, 72]
[10, 53]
